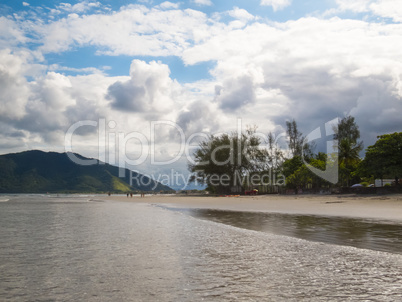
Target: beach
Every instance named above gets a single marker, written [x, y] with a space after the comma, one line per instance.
[381, 207]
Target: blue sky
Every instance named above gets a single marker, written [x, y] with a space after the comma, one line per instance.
[86, 56]
[200, 66]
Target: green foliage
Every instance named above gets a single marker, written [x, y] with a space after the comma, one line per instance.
[384, 158]
[38, 172]
[347, 133]
[275, 156]
[221, 161]
[347, 129]
[296, 138]
[299, 176]
[290, 166]
[119, 185]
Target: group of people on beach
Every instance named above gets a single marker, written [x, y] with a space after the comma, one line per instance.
[131, 194]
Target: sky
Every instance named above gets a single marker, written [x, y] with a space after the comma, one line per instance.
[140, 83]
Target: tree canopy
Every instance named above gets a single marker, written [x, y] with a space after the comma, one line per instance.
[347, 133]
[384, 158]
[221, 161]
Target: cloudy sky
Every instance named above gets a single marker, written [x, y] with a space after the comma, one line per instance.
[140, 77]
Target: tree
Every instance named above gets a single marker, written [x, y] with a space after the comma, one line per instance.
[384, 158]
[297, 142]
[222, 161]
[347, 128]
[348, 161]
[275, 155]
[296, 138]
[292, 169]
[347, 133]
[320, 162]
[299, 176]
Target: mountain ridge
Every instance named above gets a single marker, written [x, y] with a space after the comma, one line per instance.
[36, 171]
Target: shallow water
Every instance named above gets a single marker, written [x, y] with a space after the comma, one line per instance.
[362, 233]
[64, 249]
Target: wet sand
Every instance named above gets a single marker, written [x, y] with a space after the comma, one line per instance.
[385, 207]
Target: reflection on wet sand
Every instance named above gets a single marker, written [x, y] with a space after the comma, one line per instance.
[355, 232]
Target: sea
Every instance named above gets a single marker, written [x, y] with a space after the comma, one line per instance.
[81, 248]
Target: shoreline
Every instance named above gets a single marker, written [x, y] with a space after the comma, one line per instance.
[385, 207]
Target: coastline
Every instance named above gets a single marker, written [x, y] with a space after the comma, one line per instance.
[384, 207]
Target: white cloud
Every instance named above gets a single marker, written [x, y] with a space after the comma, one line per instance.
[80, 7]
[168, 5]
[198, 117]
[309, 69]
[383, 8]
[25, 3]
[45, 108]
[388, 9]
[235, 93]
[11, 34]
[358, 6]
[13, 85]
[241, 14]
[318, 69]
[149, 90]
[203, 2]
[134, 30]
[276, 4]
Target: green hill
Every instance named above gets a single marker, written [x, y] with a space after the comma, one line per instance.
[38, 172]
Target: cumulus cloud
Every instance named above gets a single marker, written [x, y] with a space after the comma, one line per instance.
[203, 2]
[358, 6]
[79, 7]
[319, 69]
[276, 4]
[309, 69]
[14, 92]
[388, 9]
[235, 93]
[44, 112]
[198, 117]
[241, 14]
[11, 33]
[168, 5]
[51, 104]
[383, 8]
[149, 89]
[377, 108]
[134, 30]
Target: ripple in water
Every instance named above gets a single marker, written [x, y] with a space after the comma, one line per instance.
[361, 233]
[77, 250]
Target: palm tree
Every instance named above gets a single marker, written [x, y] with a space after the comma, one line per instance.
[348, 157]
[347, 134]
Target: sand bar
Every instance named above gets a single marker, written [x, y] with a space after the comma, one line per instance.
[384, 207]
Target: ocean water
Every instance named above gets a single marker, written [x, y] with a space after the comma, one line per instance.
[378, 235]
[75, 248]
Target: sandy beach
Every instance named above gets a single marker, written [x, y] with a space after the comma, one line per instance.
[385, 207]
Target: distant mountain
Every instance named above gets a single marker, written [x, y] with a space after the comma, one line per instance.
[39, 172]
